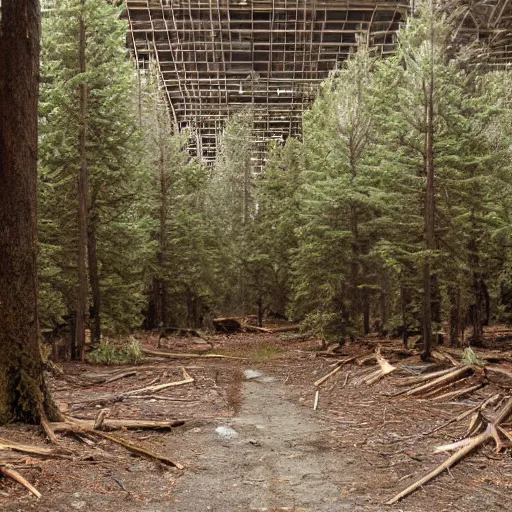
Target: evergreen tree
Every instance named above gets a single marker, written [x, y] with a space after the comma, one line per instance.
[231, 202]
[184, 262]
[89, 171]
[338, 203]
[431, 116]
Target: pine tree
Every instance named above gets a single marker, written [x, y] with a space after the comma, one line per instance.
[431, 117]
[332, 280]
[232, 204]
[182, 269]
[89, 159]
[272, 237]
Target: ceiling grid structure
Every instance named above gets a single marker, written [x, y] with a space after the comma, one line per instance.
[217, 57]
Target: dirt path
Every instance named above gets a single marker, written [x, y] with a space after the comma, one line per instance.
[356, 451]
[279, 460]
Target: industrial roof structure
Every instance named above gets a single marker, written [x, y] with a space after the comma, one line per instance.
[216, 57]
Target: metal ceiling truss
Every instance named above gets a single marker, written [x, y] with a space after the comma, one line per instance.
[217, 57]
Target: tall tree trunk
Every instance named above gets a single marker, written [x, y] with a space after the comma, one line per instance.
[260, 311]
[454, 295]
[430, 208]
[436, 308]
[77, 348]
[403, 309]
[478, 308]
[383, 309]
[160, 292]
[366, 310]
[23, 391]
[94, 278]
[355, 303]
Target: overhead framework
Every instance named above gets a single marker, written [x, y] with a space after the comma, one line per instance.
[218, 56]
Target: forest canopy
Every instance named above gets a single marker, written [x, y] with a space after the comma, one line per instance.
[391, 213]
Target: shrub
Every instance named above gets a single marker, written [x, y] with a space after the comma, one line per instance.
[111, 351]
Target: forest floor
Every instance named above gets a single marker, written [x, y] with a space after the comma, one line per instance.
[272, 453]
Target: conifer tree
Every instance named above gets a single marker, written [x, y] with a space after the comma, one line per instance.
[89, 158]
[331, 281]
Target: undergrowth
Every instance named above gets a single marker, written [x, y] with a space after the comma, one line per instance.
[470, 358]
[255, 353]
[109, 351]
[264, 352]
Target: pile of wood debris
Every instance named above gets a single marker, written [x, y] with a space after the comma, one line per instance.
[453, 374]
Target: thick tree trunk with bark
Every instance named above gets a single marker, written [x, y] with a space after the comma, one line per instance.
[23, 392]
[77, 348]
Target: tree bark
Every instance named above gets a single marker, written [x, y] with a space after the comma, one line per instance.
[77, 348]
[260, 311]
[355, 306]
[454, 295]
[404, 299]
[478, 308]
[94, 278]
[23, 391]
[366, 311]
[158, 310]
[430, 208]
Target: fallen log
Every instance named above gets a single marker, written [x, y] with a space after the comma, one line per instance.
[187, 379]
[339, 366]
[385, 369]
[26, 448]
[465, 414]
[442, 388]
[184, 355]
[122, 424]
[499, 370]
[444, 357]
[459, 392]
[108, 378]
[227, 325]
[408, 381]
[77, 427]
[444, 379]
[254, 328]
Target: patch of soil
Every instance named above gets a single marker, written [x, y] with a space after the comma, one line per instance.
[356, 451]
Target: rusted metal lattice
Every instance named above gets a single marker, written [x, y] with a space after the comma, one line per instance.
[216, 57]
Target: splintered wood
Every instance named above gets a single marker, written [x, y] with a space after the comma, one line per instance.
[444, 385]
[468, 445]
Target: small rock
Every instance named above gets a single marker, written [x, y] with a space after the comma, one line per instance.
[252, 374]
[226, 432]
[196, 430]
[79, 505]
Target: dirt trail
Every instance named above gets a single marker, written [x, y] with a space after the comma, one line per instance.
[281, 460]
